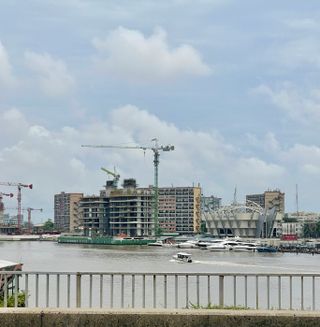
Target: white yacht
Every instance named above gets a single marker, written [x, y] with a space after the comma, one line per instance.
[188, 244]
[218, 247]
[156, 243]
[245, 247]
[182, 257]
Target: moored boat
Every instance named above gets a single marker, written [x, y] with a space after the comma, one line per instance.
[267, 249]
[156, 243]
[188, 244]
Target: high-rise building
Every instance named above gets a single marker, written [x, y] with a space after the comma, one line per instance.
[256, 198]
[94, 214]
[66, 215]
[275, 199]
[211, 202]
[129, 210]
[180, 209]
[268, 200]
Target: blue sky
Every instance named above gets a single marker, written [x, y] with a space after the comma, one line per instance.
[234, 85]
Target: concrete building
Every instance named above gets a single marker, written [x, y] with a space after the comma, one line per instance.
[180, 209]
[94, 214]
[211, 201]
[268, 200]
[256, 198]
[66, 215]
[242, 220]
[129, 210]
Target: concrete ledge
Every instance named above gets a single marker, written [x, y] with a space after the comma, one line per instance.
[22, 317]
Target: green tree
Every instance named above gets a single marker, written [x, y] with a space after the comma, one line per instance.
[48, 225]
[311, 230]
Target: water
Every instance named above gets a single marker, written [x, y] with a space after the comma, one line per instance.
[51, 256]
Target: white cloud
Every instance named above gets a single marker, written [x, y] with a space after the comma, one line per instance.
[254, 174]
[299, 52]
[302, 155]
[6, 76]
[52, 74]
[299, 105]
[128, 54]
[54, 161]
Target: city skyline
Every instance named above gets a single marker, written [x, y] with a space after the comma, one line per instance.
[233, 86]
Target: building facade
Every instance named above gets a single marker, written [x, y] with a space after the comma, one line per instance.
[268, 200]
[129, 211]
[180, 209]
[243, 220]
[94, 214]
[66, 211]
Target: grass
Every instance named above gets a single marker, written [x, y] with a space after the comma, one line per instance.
[215, 306]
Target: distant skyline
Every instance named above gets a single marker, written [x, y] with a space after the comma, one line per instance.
[233, 85]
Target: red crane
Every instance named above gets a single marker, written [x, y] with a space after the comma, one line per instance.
[19, 185]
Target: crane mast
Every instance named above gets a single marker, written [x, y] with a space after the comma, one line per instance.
[19, 185]
[156, 152]
[29, 217]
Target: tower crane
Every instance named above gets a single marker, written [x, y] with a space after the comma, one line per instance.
[114, 174]
[156, 153]
[5, 194]
[19, 185]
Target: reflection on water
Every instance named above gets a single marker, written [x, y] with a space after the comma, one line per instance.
[50, 256]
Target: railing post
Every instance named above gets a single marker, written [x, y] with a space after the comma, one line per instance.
[5, 300]
[16, 290]
[78, 290]
[221, 290]
[27, 290]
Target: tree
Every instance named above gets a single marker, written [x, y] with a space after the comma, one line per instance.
[48, 225]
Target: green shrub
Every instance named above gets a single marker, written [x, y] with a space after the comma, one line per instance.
[10, 303]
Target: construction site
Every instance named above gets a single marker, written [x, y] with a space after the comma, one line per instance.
[15, 224]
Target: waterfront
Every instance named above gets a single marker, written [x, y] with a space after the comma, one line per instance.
[121, 274]
[51, 256]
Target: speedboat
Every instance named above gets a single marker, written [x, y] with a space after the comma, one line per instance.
[183, 257]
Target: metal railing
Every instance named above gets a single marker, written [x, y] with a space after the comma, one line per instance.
[161, 290]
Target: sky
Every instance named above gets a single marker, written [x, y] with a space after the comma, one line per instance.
[233, 85]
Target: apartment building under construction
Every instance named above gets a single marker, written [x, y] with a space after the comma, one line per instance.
[129, 210]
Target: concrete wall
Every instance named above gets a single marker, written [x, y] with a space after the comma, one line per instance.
[21, 317]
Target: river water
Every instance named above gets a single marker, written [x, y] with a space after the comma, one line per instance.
[54, 257]
[45, 256]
